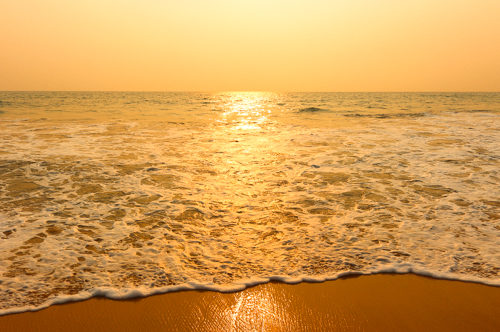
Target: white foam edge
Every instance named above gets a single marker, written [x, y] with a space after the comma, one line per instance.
[128, 293]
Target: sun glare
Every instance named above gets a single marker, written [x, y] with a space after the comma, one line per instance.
[245, 111]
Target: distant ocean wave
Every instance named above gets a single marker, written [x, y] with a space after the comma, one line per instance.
[313, 110]
[386, 115]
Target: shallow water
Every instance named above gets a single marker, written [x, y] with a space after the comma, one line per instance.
[126, 194]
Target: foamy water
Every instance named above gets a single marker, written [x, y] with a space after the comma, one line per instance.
[131, 194]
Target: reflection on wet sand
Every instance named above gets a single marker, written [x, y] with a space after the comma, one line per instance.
[369, 303]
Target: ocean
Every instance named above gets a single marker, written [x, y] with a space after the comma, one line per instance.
[127, 194]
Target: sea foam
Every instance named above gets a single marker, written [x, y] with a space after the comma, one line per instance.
[135, 200]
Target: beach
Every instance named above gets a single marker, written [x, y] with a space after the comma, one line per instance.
[382, 302]
[128, 195]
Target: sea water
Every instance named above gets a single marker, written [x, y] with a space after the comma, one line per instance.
[127, 194]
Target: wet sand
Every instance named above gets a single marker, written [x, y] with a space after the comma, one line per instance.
[381, 302]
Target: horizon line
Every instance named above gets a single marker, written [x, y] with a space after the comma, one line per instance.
[275, 91]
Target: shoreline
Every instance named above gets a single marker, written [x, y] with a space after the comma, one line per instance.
[137, 293]
[357, 302]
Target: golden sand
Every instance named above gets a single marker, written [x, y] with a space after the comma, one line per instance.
[367, 303]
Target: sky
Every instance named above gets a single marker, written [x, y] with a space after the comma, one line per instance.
[250, 45]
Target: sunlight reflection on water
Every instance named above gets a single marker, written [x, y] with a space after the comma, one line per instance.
[245, 110]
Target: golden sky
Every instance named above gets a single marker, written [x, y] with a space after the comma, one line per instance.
[214, 45]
